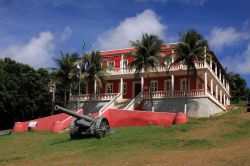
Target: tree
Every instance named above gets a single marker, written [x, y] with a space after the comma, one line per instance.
[24, 93]
[66, 71]
[190, 49]
[238, 86]
[147, 56]
[93, 70]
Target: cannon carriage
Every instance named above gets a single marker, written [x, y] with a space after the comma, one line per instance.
[85, 125]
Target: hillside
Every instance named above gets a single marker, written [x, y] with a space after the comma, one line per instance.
[223, 140]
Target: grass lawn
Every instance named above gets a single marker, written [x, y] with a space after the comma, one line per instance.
[223, 140]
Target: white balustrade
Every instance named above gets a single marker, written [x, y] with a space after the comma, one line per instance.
[165, 94]
[85, 97]
[116, 71]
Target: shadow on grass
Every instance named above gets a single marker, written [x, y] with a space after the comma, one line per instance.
[12, 158]
[236, 134]
[197, 143]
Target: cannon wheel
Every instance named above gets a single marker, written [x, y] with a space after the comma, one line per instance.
[74, 131]
[102, 127]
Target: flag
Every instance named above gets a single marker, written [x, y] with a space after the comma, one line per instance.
[83, 45]
[78, 66]
[93, 47]
[86, 66]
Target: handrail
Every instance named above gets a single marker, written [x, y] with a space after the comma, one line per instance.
[84, 97]
[109, 104]
[120, 70]
[134, 101]
[177, 93]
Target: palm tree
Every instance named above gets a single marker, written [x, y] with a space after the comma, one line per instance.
[190, 49]
[93, 70]
[147, 56]
[66, 72]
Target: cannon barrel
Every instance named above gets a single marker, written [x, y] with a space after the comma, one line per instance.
[69, 112]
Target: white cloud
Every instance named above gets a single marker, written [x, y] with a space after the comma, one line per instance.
[131, 29]
[239, 63]
[37, 52]
[192, 2]
[222, 37]
[65, 34]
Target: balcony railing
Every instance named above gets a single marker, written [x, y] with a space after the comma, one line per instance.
[166, 94]
[99, 97]
[115, 71]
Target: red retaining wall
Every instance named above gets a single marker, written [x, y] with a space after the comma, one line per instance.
[122, 118]
[117, 118]
[47, 123]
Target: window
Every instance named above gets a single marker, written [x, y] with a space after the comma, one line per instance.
[111, 65]
[84, 90]
[168, 61]
[98, 89]
[125, 63]
[124, 88]
[168, 85]
[153, 86]
[183, 84]
[110, 88]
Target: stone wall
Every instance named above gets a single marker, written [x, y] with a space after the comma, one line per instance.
[196, 107]
[89, 107]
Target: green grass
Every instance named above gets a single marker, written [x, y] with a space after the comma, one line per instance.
[197, 143]
[197, 134]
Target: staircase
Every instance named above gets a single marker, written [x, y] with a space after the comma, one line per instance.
[121, 104]
[135, 102]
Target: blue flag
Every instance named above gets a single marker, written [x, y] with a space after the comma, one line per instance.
[83, 45]
[86, 66]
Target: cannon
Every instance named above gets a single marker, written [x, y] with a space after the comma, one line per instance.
[85, 125]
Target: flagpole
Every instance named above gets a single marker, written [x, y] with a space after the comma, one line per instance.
[80, 75]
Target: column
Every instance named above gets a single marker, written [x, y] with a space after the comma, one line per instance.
[121, 65]
[121, 85]
[172, 84]
[205, 56]
[220, 74]
[224, 98]
[95, 87]
[216, 69]
[205, 81]
[212, 86]
[216, 91]
[220, 95]
[211, 63]
[142, 84]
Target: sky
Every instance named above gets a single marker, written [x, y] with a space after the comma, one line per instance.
[34, 31]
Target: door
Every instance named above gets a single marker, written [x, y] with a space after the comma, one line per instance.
[137, 89]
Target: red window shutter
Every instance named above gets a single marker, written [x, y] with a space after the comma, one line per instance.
[117, 61]
[130, 59]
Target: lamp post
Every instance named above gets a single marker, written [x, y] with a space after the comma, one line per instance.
[52, 90]
[79, 66]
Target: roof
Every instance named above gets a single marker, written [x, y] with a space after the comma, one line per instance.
[165, 47]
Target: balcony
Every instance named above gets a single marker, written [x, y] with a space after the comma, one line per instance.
[117, 71]
[176, 67]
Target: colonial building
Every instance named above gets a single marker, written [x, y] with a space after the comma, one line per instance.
[207, 95]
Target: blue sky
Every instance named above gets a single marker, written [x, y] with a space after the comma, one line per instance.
[33, 31]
